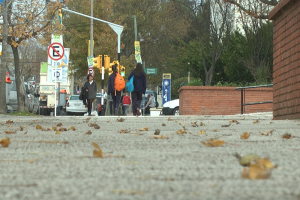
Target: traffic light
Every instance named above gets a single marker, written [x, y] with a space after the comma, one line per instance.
[110, 71]
[106, 62]
[122, 71]
[98, 62]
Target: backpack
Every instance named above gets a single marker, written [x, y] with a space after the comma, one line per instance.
[119, 82]
[129, 85]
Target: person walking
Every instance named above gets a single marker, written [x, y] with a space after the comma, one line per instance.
[90, 92]
[149, 104]
[139, 82]
[126, 103]
[112, 91]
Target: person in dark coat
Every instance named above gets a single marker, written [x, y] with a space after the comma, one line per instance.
[90, 92]
[139, 82]
[112, 91]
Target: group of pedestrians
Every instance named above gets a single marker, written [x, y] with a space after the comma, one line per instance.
[114, 96]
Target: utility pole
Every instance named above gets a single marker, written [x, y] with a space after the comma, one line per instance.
[135, 28]
[3, 60]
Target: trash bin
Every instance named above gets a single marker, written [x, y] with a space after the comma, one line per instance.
[62, 97]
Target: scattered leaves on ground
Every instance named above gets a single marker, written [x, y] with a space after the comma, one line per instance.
[9, 121]
[124, 131]
[202, 124]
[22, 128]
[226, 125]
[38, 126]
[194, 124]
[234, 121]
[287, 136]
[97, 151]
[129, 192]
[88, 133]
[157, 132]
[169, 119]
[57, 133]
[62, 129]
[268, 132]
[181, 132]
[144, 129]
[160, 136]
[163, 124]
[72, 128]
[60, 124]
[54, 128]
[121, 120]
[256, 172]
[5, 142]
[213, 143]
[245, 136]
[202, 132]
[96, 126]
[266, 163]
[10, 132]
[256, 121]
[247, 159]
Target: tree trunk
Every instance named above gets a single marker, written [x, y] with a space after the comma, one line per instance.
[19, 82]
[3, 62]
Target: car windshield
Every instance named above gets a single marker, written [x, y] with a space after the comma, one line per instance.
[75, 97]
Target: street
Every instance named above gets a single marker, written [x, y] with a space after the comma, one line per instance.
[60, 164]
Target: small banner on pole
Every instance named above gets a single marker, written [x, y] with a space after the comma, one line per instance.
[137, 48]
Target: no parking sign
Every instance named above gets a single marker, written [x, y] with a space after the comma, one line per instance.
[91, 71]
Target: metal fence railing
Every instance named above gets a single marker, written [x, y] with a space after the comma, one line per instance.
[243, 104]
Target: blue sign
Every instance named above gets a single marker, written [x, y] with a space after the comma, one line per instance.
[166, 90]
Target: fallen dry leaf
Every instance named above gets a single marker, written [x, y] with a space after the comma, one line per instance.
[88, 133]
[234, 121]
[127, 192]
[60, 124]
[157, 132]
[144, 129]
[121, 120]
[215, 130]
[194, 124]
[265, 163]
[124, 131]
[256, 172]
[226, 125]
[5, 142]
[97, 152]
[181, 132]
[268, 132]
[62, 129]
[213, 143]
[256, 121]
[10, 132]
[169, 119]
[202, 124]
[245, 135]
[54, 128]
[22, 128]
[163, 124]
[57, 133]
[38, 126]
[9, 122]
[159, 136]
[202, 132]
[247, 159]
[72, 128]
[25, 132]
[287, 136]
[96, 126]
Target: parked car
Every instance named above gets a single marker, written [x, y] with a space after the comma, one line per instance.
[74, 105]
[13, 101]
[171, 107]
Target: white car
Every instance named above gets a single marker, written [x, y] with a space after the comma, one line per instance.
[171, 107]
[74, 105]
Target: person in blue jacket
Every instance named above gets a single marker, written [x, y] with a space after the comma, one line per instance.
[111, 90]
[139, 82]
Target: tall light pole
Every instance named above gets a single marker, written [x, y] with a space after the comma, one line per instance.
[92, 30]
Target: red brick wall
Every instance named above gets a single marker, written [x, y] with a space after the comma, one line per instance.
[209, 100]
[286, 63]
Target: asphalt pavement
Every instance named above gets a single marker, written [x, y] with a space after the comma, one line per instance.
[41, 164]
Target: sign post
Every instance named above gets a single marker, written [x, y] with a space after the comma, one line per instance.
[56, 51]
[166, 88]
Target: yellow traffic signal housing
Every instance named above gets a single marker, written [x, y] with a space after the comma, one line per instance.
[106, 62]
[97, 62]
